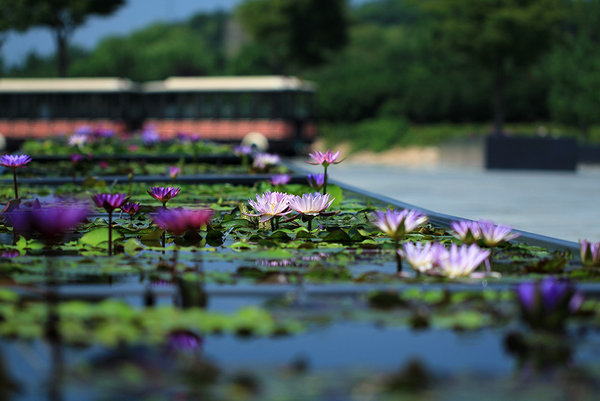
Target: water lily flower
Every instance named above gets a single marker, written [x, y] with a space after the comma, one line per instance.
[493, 234]
[240, 150]
[163, 194]
[131, 209]
[548, 303]
[280, 179]
[76, 158]
[466, 231]
[84, 130]
[396, 224]
[590, 253]
[270, 205]
[423, 257]
[178, 221]
[183, 340]
[195, 137]
[174, 172]
[311, 204]
[103, 132]
[324, 159]
[150, 136]
[77, 140]
[461, 262]
[110, 202]
[316, 181]
[11, 254]
[50, 222]
[14, 162]
[263, 161]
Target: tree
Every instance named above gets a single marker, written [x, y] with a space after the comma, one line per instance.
[63, 17]
[299, 33]
[574, 67]
[153, 53]
[497, 34]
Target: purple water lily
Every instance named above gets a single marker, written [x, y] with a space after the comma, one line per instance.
[242, 150]
[110, 202]
[423, 257]
[185, 341]
[466, 231]
[150, 136]
[590, 253]
[493, 234]
[50, 222]
[396, 224]
[263, 161]
[174, 172]
[280, 179]
[316, 181]
[76, 158]
[548, 303]
[461, 261]
[308, 206]
[131, 209]
[13, 162]
[163, 194]
[84, 130]
[270, 205]
[324, 159]
[178, 221]
[78, 140]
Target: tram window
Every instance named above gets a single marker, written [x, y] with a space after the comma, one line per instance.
[189, 103]
[170, 108]
[44, 110]
[264, 105]
[5, 111]
[301, 105]
[207, 106]
[227, 106]
[246, 101]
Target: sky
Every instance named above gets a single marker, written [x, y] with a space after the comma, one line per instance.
[134, 15]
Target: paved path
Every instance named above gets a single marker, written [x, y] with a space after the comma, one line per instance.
[557, 204]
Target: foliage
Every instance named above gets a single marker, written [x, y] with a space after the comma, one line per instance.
[497, 34]
[63, 17]
[153, 53]
[574, 64]
[297, 32]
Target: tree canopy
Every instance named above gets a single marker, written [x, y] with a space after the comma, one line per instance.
[62, 17]
[297, 32]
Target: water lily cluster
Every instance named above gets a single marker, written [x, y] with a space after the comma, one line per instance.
[434, 259]
[484, 232]
[274, 205]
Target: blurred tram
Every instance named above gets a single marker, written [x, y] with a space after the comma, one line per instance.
[277, 109]
[39, 108]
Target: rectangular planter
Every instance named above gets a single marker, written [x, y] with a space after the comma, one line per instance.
[531, 153]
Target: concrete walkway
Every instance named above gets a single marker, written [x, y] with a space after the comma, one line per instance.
[557, 204]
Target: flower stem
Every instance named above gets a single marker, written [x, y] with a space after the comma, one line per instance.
[325, 180]
[309, 225]
[15, 179]
[398, 258]
[109, 233]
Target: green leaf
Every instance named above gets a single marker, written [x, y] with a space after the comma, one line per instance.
[236, 223]
[98, 236]
[337, 193]
[133, 247]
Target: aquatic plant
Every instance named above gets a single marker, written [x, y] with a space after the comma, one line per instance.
[174, 172]
[546, 304]
[13, 162]
[270, 205]
[280, 179]
[163, 194]
[178, 221]
[590, 253]
[316, 181]
[50, 222]
[110, 202]
[324, 159]
[459, 261]
[308, 206]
